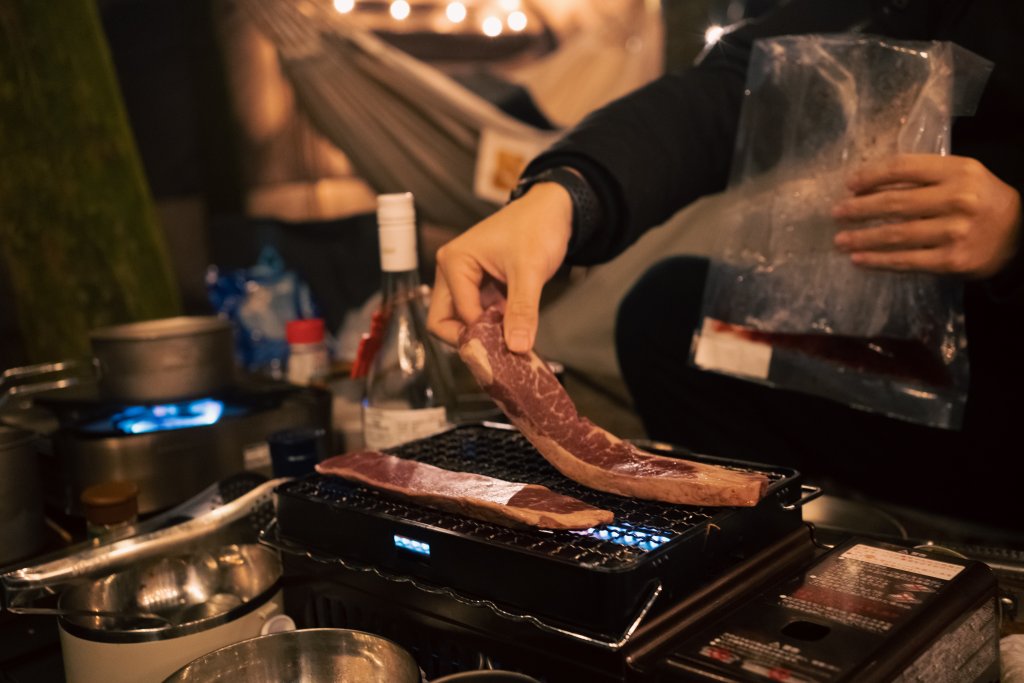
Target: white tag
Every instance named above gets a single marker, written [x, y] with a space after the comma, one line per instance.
[728, 352]
[500, 158]
[256, 455]
[384, 428]
[908, 563]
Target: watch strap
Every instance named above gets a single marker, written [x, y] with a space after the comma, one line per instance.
[587, 211]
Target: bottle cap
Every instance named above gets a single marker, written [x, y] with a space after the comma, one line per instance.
[111, 502]
[396, 221]
[395, 208]
[294, 452]
[304, 331]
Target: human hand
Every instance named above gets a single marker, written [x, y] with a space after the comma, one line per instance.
[520, 246]
[939, 214]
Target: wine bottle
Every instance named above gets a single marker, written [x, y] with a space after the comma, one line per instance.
[409, 392]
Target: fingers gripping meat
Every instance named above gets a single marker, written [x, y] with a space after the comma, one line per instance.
[533, 399]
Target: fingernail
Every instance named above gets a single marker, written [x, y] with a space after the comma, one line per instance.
[519, 341]
[841, 240]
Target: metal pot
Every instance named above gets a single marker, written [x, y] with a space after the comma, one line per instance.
[164, 359]
[21, 500]
[319, 655]
[140, 624]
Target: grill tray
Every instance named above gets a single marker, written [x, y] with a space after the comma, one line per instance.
[595, 580]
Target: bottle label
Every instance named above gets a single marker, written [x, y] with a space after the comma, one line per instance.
[384, 428]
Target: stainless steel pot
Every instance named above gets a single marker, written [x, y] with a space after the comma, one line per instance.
[318, 655]
[164, 359]
[143, 623]
[21, 500]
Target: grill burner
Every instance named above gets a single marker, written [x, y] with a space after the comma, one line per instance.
[596, 581]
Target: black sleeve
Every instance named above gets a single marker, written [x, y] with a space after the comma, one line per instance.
[661, 147]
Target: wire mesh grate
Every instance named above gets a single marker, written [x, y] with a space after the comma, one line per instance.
[640, 527]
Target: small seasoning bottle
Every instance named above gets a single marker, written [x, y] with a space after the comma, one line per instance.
[307, 352]
[111, 510]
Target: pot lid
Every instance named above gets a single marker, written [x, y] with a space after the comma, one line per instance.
[160, 328]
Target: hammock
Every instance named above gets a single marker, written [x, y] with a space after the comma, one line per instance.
[405, 125]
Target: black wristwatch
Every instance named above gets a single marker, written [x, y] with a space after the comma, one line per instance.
[587, 212]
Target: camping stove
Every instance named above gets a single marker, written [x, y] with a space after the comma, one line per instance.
[665, 593]
[171, 449]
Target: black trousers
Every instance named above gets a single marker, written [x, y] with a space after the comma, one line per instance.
[881, 458]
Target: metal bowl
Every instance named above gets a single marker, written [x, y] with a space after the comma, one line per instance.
[319, 655]
[172, 596]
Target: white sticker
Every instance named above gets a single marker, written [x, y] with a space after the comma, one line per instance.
[501, 157]
[256, 456]
[726, 351]
[908, 563]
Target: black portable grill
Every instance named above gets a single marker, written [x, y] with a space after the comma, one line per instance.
[597, 581]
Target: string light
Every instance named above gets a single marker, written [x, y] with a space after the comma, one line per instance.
[491, 27]
[456, 12]
[400, 9]
[517, 20]
[344, 6]
[713, 33]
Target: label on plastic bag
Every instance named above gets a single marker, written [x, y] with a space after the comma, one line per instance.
[718, 348]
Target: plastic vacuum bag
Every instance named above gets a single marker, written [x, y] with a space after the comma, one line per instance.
[782, 305]
[259, 301]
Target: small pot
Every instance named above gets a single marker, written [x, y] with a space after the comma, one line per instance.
[21, 500]
[144, 622]
[164, 359]
[319, 655]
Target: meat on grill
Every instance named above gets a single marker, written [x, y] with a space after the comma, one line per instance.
[473, 495]
[533, 399]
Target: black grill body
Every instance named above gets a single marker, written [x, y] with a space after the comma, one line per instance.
[594, 582]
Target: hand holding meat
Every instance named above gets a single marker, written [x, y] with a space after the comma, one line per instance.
[940, 214]
[533, 399]
[521, 246]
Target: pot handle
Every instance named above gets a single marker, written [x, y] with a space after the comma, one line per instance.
[32, 379]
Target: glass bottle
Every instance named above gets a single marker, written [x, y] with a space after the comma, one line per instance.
[408, 387]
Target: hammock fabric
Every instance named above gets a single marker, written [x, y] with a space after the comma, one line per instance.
[405, 125]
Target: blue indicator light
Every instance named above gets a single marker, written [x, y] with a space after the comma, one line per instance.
[626, 534]
[418, 547]
[159, 418]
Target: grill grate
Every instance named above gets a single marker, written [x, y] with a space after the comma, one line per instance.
[640, 526]
[594, 581]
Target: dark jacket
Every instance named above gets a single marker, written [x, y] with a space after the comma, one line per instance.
[669, 143]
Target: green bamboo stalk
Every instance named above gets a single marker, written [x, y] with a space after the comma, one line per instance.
[79, 234]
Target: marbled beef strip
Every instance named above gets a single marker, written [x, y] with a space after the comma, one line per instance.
[473, 495]
[533, 399]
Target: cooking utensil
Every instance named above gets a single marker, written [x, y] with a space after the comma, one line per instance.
[313, 656]
[164, 359]
[21, 498]
[169, 588]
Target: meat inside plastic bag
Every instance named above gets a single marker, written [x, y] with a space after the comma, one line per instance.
[782, 305]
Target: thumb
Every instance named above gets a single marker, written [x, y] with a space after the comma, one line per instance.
[522, 310]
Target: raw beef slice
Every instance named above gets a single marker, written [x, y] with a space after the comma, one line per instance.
[533, 399]
[473, 495]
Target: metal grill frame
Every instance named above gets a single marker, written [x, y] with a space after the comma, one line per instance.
[570, 577]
